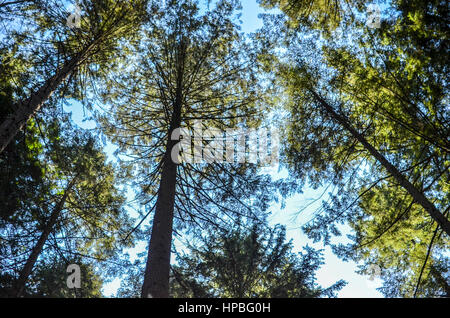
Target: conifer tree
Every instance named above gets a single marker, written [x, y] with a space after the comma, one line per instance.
[79, 214]
[248, 261]
[62, 54]
[380, 128]
[189, 67]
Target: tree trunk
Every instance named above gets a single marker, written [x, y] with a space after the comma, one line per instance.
[37, 249]
[26, 109]
[156, 277]
[417, 195]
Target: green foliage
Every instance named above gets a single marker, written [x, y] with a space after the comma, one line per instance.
[91, 223]
[50, 280]
[389, 83]
[319, 14]
[40, 35]
[21, 170]
[241, 262]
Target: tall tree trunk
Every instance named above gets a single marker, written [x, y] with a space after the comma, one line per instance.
[156, 277]
[417, 195]
[37, 249]
[26, 109]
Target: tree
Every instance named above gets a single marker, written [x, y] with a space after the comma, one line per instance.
[50, 280]
[250, 262]
[188, 68]
[20, 167]
[385, 94]
[68, 57]
[81, 214]
[390, 225]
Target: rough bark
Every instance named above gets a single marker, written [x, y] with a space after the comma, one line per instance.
[417, 195]
[37, 249]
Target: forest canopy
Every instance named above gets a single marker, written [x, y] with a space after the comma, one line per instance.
[199, 129]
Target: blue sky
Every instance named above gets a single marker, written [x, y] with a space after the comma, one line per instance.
[334, 269]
